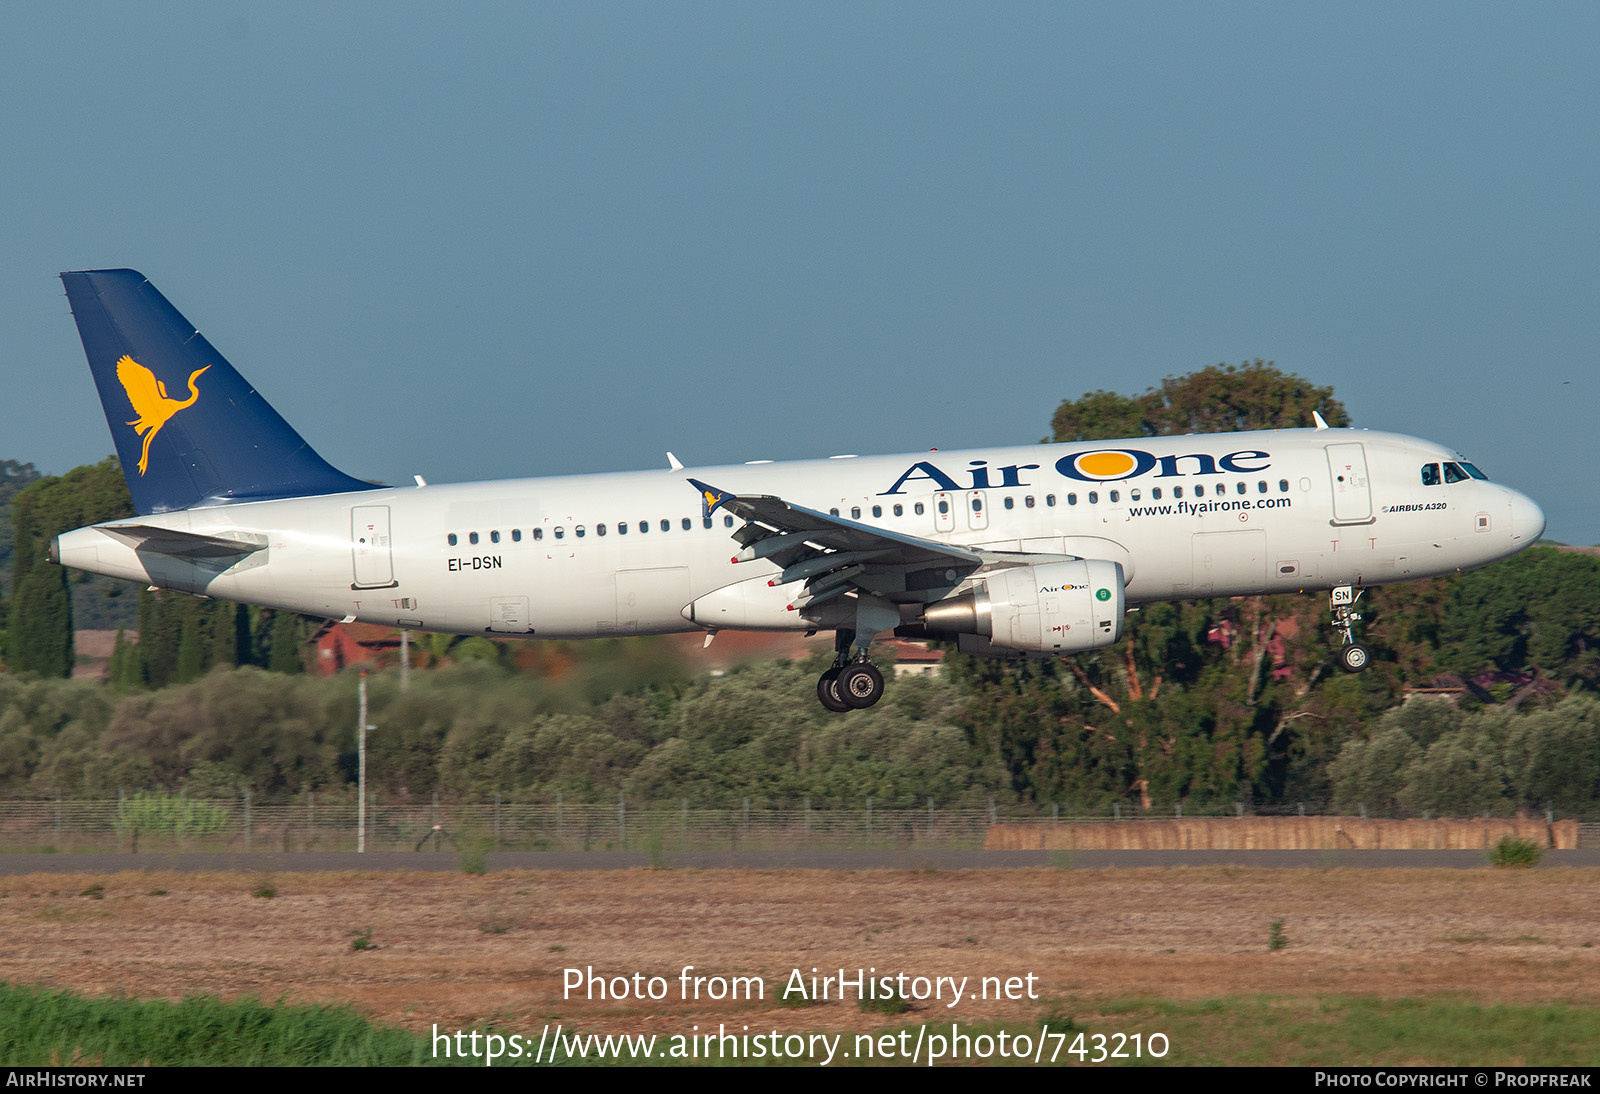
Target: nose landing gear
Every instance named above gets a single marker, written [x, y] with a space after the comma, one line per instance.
[1353, 656]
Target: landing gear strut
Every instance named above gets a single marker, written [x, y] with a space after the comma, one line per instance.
[1353, 656]
[853, 683]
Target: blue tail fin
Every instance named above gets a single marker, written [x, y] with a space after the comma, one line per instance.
[189, 430]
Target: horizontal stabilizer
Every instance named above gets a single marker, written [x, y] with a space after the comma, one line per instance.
[189, 545]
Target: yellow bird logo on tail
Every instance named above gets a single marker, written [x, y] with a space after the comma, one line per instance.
[151, 402]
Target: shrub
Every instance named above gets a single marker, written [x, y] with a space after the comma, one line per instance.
[1512, 853]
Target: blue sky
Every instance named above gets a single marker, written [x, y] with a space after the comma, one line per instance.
[490, 240]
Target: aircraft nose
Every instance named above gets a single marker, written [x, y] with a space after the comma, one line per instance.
[1527, 519]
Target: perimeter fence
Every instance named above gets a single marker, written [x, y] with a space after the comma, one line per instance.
[327, 821]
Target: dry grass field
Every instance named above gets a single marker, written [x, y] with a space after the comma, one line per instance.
[469, 951]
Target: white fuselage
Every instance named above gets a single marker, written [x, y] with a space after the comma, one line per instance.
[629, 553]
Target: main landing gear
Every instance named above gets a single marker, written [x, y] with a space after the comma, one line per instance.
[1353, 656]
[853, 683]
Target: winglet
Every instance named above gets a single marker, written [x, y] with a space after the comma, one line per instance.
[711, 498]
[1318, 419]
[672, 463]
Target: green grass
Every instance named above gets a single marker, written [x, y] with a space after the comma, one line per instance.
[44, 1028]
[41, 1028]
[1339, 1031]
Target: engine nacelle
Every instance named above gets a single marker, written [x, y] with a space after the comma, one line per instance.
[1054, 608]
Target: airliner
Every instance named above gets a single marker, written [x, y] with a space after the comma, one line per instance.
[1029, 552]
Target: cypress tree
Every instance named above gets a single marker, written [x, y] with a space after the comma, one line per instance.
[285, 656]
[191, 651]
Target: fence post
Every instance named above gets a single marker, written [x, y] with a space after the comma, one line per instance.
[247, 818]
[497, 820]
[1179, 812]
[1302, 808]
[1116, 810]
[622, 823]
[311, 807]
[58, 820]
[183, 801]
[808, 815]
[869, 821]
[1238, 809]
[1363, 810]
[1055, 813]
[994, 817]
[122, 818]
[683, 824]
[930, 819]
[558, 814]
[436, 836]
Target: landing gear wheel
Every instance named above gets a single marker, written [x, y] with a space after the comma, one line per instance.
[1354, 658]
[828, 692]
[860, 685]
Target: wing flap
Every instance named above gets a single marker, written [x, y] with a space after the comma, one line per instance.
[830, 554]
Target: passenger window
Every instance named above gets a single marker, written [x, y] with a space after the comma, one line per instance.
[451, 539]
[855, 512]
[1011, 503]
[1239, 488]
[578, 531]
[917, 508]
[1133, 495]
[899, 510]
[1199, 491]
[1453, 473]
[1155, 493]
[977, 505]
[516, 535]
[1072, 499]
[1283, 486]
[1050, 500]
[666, 526]
[1114, 497]
[1027, 502]
[727, 522]
[707, 522]
[644, 526]
[494, 537]
[944, 507]
[1177, 491]
[622, 527]
[1094, 497]
[561, 533]
[687, 524]
[472, 537]
[1261, 487]
[833, 512]
[538, 533]
[877, 510]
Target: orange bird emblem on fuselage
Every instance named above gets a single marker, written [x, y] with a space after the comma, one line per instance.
[151, 402]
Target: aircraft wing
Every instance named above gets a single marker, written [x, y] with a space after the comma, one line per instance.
[831, 554]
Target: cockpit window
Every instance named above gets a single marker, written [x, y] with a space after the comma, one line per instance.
[1430, 474]
[1453, 473]
[1473, 471]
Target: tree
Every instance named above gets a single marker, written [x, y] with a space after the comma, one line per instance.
[40, 618]
[1217, 399]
